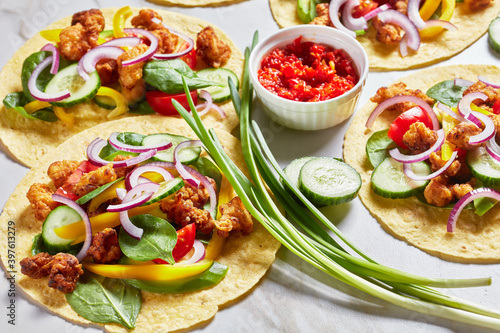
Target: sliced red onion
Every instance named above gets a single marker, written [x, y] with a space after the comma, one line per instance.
[462, 83]
[113, 140]
[132, 199]
[368, 16]
[199, 253]
[123, 41]
[410, 174]
[87, 63]
[488, 131]
[180, 167]
[349, 21]
[120, 193]
[129, 227]
[153, 47]
[55, 55]
[334, 17]
[40, 95]
[186, 38]
[95, 147]
[403, 46]
[414, 15]
[400, 99]
[86, 221]
[395, 17]
[444, 108]
[132, 178]
[488, 82]
[395, 154]
[208, 105]
[494, 145]
[469, 197]
[464, 106]
[441, 23]
[493, 149]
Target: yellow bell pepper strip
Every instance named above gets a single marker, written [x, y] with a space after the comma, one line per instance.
[121, 102]
[476, 108]
[215, 246]
[156, 272]
[447, 8]
[35, 106]
[448, 123]
[119, 19]
[428, 8]
[51, 35]
[66, 118]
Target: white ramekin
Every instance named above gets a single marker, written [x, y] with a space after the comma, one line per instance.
[310, 115]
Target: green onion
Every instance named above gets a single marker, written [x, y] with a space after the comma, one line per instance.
[308, 240]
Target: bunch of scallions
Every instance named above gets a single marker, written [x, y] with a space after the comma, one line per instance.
[300, 233]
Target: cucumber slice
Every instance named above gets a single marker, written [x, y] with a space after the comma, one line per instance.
[166, 189]
[389, 181]
[81, 91]
[187, 155]
[327, 181]
[292, 171]
[494, 34]
[484, 167]
[219, 94]
[105, 102]
[60, 216]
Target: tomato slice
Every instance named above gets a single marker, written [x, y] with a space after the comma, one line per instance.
[66, 190]
[185, 241]
[364, 8]
[162, 102]
[190, 58]
[403, 122]
[496, 107]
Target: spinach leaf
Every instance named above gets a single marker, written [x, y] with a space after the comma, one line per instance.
[91, 195]
[377, 147]
[158, 240]
[106, 300]
[142, 108]
[446, 92]
[16, 101]
[109, 152]
[166, 75]
[38, 246]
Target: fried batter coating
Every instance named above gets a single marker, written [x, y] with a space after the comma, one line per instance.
[235, 217]
[387, 33]
[38, 266]
[167, 42]
[476, 5]
[74, 42]
[60, 171]
[65, 272]
[437, 192]
[122, 172]
[130, 77]
[399, 89]
[90, 19]
[105, 248]
[211, 49]
[108, 71]
[40, 198]
[94, 179]
[437, 163]
[323, 15]
[144, 20]
[460, 134]
[496, 121]
[419, 137]
[479, 86]
[459, 190]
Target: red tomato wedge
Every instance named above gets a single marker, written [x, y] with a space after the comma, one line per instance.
[185, 241]
[496, 107]
[402, 123]
[66, 189]
[190, 58]
[161, 102]
[364, 8]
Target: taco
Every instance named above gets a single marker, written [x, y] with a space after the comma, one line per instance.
[231, 267]
[422, 211]
[471, 25]
[31, 130]
[195, 3]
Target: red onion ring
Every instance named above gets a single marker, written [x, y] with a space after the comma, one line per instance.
[490, 149]
[462, 83]
[121, 193]
[400, 99]
[334, 17]
[129, 227]
[472, 195]
[464, 106]
[349, 21]
[208, 105]
[95, 147]
[180, 167]
[40, 95]
[199, 253]
[86, 221]
[87, 63]
[55, 55]
[488, 131]
[414, 15]
[403, 46]
[188, 40]
[113, 140]
[445, 109]
[132, 199]
[132, 178]
[441, 23]
[153, 47]
[368, 16]
[122, 42]
[488, 82]
[395, 17]
[494, 145]
[410, 174]
[396, 155]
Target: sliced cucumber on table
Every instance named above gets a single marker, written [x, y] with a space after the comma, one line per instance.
[187, 155]
[292, 171]
[59, 217]
[221, 75]
[484, 167]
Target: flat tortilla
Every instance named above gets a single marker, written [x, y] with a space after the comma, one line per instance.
[30, 140]
[248, 257]
[471, 26]
[196, 3]
[476, 239]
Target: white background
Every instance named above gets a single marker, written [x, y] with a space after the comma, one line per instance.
[293, 296]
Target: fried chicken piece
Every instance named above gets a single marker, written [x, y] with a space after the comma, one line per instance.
[65, 272]
[460, 134]
[122, 172]
[211, 49]
[105, 248]
[496, 121]
[38, 266]
[73, 42]
[387, 33]
[437, 192]
[475, 5]
[167, 42]
[399, 89]
[108, 71]
[40, 198]
[479, 86]
[235, 217]
[419, 137]
[90, 19]
[437, 163]
[94, 179]
[130, 77]
[459, 190]
[323, 15]
[60, 171]
[401, 6]
[144, 20]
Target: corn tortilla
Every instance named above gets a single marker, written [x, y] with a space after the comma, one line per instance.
[471, 26]
[248, 257]
[30, 140]
[196, 3]
[476, 239]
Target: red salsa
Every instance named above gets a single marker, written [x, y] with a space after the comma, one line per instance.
[307, 72]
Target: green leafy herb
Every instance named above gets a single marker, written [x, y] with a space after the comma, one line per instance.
[142, 108]
[167, 76]
[157, 241]
[16, 101]
[446, 92]
[106, 300]
[89, 196]
[377, 147]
